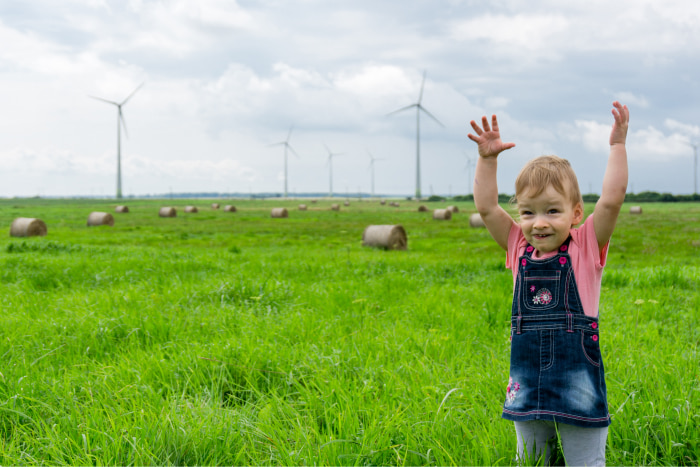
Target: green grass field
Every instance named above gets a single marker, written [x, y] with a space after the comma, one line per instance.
[232, 338]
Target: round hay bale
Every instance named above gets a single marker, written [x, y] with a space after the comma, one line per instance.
[302, 207]
[395, 204]
[442, 214]
[28, 227]
[389, 237]
[100, 218]
[475, 220]
[313, 201]
[191, 209]
[635, 210]
[229, 208]
[347, 203]
[335, 207]
[121, 209]
[167, 212]
[453, 209]
[279, 212]
[422, 208]
[382, 202]
[215, 205]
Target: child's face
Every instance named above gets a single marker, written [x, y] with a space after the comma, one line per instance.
[547, 218]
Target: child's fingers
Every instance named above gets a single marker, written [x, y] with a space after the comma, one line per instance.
[494, 122]
[476, 127]
[485, 123]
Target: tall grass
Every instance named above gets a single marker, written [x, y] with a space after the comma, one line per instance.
[232, 338]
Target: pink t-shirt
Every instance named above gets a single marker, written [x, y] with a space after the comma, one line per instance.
[586, 261]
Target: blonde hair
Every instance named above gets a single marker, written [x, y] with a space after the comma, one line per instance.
[544, 171]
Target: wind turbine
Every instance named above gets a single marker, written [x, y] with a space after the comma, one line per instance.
[469, 167]
[371, 167]
[695, 166]
[418, 107]
[120, 124]
[287, 146]
[331, 155]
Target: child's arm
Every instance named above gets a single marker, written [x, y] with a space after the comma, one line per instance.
[496, 219]
[615, 180]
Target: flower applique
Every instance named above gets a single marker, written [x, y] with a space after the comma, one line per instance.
[512, 390]
[542, 297]
[532, 288]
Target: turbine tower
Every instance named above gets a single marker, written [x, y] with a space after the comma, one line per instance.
[120, 124]
[331, 155]
[287, 146]
[695, 166]
[468, 168]
[371, 167]
[418, 107]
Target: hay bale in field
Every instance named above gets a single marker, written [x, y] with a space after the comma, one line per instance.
[453, 209]
[28, 227]
[302, 207]
[100, 218]
[422, 208]
[229, 208]
[215, 205]
[382, 202]
[475, 220]
[395, 204]
[121, 209]
[442, 214]
[191, 209]
[335, 207]
[279, 212]
[347, 203]
[635, 210]
[313, 201]
[389, 237]
[167, 212]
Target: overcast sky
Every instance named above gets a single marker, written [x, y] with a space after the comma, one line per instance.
[224, 80]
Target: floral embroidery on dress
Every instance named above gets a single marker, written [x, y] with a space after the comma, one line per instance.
[512, 390]
[532, 288]
[542, 297]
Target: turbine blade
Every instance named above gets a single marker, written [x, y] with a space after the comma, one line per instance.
[132, 93]
[105, 100]
[420, 107]
[290, 132]
[402, 109]
[121, 120]
[420, 96]
[293, 151]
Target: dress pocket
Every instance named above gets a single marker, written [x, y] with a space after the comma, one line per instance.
[541, 290]
[590, 347]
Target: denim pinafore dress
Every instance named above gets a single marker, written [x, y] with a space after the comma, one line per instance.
[556, 370]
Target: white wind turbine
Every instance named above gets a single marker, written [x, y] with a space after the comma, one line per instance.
[470, 165]
[120, 123]
[371, 167]
[331, 155]
[287, 146]
[418, 107]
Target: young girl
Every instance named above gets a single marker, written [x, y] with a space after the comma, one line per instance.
[557, 382]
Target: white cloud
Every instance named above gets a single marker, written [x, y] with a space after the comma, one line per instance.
[692, 131]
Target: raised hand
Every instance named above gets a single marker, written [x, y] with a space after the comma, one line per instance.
[618, 135]
[489, 138]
